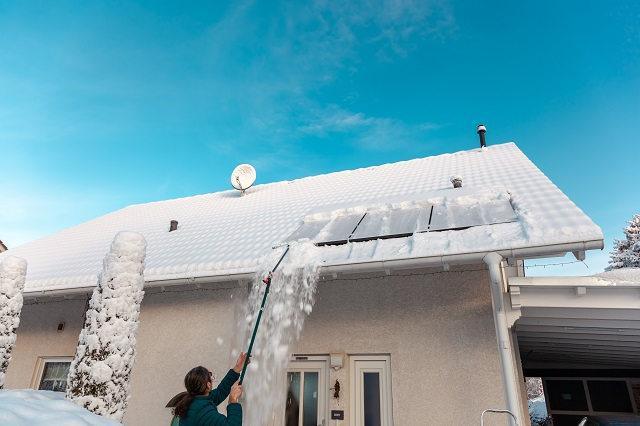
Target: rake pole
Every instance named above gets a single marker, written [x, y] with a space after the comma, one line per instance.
[255, 329]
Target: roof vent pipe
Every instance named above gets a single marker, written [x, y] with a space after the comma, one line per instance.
[173, 226]
[481, 132]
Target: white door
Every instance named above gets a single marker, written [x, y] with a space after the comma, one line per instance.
[307, 391]
[371, 402]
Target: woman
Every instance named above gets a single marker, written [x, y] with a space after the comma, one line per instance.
[199, 407]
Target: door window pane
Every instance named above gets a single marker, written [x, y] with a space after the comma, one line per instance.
[54, 376]
[292, 413]
[310, 398]
[371, 393]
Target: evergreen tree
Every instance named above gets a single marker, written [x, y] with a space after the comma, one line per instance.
[626, 253]
[99, 375]
[13, 272]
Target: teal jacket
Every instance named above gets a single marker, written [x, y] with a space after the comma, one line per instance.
[204, 409]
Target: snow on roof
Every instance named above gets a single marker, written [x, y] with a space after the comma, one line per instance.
[225, 233]
[621, 276]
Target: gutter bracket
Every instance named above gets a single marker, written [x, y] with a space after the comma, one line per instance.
[515, 296]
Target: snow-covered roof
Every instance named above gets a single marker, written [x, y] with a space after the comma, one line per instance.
[224, 233]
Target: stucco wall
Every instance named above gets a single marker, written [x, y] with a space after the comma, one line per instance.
[178, 331]
[437, 328]
[37, 336]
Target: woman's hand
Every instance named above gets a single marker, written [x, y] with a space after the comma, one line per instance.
[240, 363]
[236, 392]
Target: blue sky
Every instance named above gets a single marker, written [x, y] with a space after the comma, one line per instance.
[106, 104]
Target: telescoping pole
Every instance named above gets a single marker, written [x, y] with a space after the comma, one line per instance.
[255, 329]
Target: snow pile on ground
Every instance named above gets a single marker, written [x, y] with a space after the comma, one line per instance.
[13, 272]
[290, 300]
[537, 410]
[622, 276]
[99, 374]
[26, 407]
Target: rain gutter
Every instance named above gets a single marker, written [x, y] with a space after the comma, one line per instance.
[359, 267]
[465, 258]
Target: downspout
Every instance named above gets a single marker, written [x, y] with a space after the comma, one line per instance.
[507, 364]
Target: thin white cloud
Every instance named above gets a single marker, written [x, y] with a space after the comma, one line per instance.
[283, 59]
[370, 133]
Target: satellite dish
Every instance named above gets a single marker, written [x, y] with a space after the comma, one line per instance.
[243, 177]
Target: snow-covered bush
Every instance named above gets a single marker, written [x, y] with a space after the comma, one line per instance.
[13, 272]
[626, 253]
[99, 374]
[533, 387]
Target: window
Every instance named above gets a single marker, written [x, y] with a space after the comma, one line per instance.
[51, 373]
[371, 402]
[570, 399]
[307, 392]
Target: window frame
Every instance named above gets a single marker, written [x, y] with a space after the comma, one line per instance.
[313, 363]
[41, 362]
[358, 366]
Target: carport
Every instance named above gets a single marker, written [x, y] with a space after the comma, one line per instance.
[582, 336]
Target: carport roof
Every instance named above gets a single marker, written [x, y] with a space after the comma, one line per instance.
[578, 322]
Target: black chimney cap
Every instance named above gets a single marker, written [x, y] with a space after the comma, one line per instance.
[481, 131]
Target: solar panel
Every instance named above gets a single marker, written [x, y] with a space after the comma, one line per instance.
[465, 216]
[388, 224]
[339, 230]
[403, 222]
[308, 230]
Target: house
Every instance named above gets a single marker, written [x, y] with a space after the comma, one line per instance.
[415, 318]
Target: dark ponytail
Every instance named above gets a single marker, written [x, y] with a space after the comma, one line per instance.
[196, 383]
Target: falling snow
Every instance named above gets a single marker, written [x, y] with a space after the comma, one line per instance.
[290, 300]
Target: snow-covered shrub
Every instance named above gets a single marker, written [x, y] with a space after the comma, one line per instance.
[533, 387]
[13, 272]
[626, 253]
[99, 374]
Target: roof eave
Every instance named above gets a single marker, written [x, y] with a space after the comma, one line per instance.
[555, 250]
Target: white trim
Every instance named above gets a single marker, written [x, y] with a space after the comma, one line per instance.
[358, 365]
[319, 364]
[36, 378]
